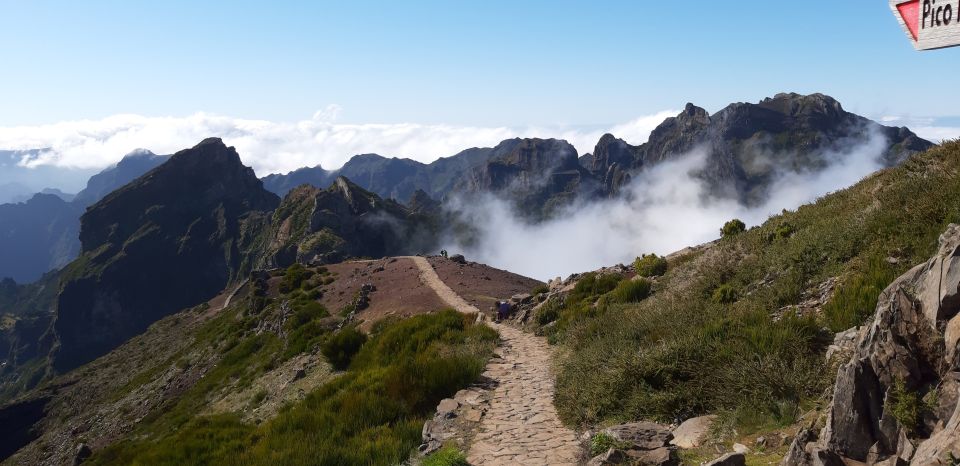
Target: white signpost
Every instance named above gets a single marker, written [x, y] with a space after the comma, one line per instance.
[930, 24]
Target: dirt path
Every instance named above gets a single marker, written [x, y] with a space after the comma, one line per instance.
[521, 426]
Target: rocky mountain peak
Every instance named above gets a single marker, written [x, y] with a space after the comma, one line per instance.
[199, 179]
[794, 104]
[184, 225]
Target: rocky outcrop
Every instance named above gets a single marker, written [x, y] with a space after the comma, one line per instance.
[328, 225]
[642, 442]
[895, 399]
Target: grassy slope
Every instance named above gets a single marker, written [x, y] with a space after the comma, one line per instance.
[372, 414]
[683, 352]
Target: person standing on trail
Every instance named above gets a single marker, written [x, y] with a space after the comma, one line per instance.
[504, 311]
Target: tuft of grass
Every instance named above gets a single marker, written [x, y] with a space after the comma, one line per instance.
[446, 456]
[725, 294]
[856, 298]
[603, 441]
[630, 291]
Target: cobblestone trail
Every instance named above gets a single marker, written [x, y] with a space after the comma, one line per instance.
[521, 426]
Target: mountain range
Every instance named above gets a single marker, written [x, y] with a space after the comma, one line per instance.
[748, 147]
[200, 220]
[154, 249]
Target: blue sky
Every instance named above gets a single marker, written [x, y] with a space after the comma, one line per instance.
[478, 63]
[294, 84]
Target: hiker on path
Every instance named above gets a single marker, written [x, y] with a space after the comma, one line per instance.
[503, 312]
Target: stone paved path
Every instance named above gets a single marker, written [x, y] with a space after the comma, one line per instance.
[521, 426]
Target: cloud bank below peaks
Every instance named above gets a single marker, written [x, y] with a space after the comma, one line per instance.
[664, 209]
[279, 147]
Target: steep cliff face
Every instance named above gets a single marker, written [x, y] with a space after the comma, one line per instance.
[41, 234]
[188, 225]
[539, 176]
[895, 399]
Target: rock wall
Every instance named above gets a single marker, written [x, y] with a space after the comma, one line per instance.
[895, 399]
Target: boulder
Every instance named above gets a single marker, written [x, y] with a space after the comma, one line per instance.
[663, 456]
[647, 442]
[691, 433]
[447, 405]
[741, 448]
[730, 459]
[458, 258]
[643, 435]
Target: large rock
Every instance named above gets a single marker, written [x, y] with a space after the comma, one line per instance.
[910, 346]
[691, 433]
[647, 443]
[643, 434]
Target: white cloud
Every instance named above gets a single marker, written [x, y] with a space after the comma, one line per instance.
[937, 133]
[272, 147]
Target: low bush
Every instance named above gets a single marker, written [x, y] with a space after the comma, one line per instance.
[540, 289]
[650, 265]
[630, 291]
[340, 347]
[731, 228]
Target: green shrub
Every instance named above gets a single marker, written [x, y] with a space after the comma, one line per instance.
[783, 231]
[294, 277]
[905, 405]
[731, 228]
[592, 285]
[630, 291]
[446, 456]
[650, 265]
[342, 346]
[540, 289]
[725, 294]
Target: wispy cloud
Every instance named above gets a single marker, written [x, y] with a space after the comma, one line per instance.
[271, 147]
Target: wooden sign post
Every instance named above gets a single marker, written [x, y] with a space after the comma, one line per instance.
[930, 24]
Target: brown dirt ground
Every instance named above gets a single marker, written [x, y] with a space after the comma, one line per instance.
[481, 285]
[398, 289]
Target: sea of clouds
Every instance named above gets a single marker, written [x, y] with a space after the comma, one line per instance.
[280, 147]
